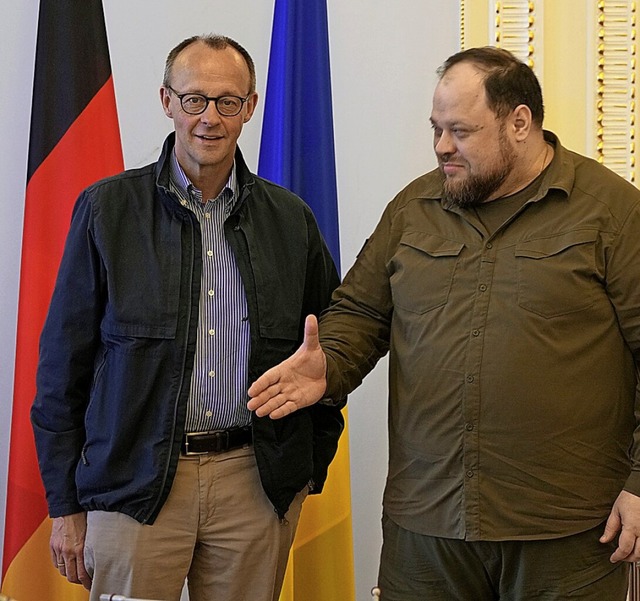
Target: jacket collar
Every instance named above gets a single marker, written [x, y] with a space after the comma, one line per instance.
[244, 176]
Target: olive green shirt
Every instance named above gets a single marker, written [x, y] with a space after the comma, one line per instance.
[512, 367]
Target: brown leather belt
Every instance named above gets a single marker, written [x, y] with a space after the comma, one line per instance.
[201, 443]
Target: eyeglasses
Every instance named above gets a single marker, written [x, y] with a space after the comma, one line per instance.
[196, 104]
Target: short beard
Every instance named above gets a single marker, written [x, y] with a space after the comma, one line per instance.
[476, 189]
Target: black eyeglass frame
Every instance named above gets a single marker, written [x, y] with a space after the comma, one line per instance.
[209, 99]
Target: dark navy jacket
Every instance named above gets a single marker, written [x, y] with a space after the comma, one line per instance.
[117, 349]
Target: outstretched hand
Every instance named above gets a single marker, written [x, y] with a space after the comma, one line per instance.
[297, 382]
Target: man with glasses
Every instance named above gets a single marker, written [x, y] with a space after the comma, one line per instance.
[181, 282]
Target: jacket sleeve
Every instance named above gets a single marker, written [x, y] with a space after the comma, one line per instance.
[68, 346]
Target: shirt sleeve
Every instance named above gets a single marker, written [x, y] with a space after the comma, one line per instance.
[355, 329]
[623, 289]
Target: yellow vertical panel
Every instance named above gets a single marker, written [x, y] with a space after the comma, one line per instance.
[567, 60]
[566, 50]
[476, 19]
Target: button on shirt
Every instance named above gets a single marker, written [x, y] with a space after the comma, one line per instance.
[512, 367]
[219, 382]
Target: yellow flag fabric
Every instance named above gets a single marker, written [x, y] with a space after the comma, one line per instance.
[321, 561]
[32, 575]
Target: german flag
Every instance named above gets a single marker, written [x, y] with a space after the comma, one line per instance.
[74, 141]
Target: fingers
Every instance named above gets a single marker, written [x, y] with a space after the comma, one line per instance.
[73, 569]
[68, 568]
[267, 386]
[83, 576]
[610, 530]
[272, 402]
[66, 546]
[263, 388]
[628, 549]
[625, 549]
[311, 340]
[276, 413]
[297, 382]
[624, 522]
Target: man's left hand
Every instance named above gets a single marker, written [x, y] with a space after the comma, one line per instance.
[624, 519]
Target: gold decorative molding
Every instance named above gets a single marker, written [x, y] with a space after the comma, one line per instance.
[462, 14]
[515, 28]
[615, 87]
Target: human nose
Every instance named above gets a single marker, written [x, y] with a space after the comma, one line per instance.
[443, 143]
[210, 115]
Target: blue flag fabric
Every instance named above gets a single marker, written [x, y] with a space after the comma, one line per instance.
[296, 151]
[296, 148]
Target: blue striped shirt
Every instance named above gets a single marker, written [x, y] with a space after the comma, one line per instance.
[219, 383]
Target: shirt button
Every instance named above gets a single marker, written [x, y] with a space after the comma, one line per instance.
[212, 332]
[483, 287]
[489, 245]
[469, 473]
[469, 378]
[209, 253]
[469, 427]
[476, 332]
[207, 215]
[211, 292]
[209, 413]
[183, 203]
[212, 374]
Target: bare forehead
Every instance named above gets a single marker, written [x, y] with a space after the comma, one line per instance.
[201, 60]
[460, 90]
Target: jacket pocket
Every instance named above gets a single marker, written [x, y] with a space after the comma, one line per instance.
[556, 275]
[422, 271]
[137, 339]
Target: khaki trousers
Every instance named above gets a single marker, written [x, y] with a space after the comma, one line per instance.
[217, 530]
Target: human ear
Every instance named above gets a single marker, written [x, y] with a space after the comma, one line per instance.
[521, 121]
[252, 102]
[165, 99]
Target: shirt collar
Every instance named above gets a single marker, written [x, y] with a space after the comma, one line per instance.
[559, 174]
[182, 185]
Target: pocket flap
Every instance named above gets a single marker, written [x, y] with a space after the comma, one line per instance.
[432, 245]
[115, 328]
[547, 247]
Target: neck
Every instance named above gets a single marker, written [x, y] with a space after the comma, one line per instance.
[534, 163]
[547, 155]
[210, 181]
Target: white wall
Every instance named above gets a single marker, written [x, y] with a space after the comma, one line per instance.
[383, 59]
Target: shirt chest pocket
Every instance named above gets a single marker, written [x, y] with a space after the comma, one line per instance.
[422, 271]
[557, 275]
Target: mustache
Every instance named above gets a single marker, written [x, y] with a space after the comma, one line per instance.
[446, 157]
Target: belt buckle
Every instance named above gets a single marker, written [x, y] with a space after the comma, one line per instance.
[186, 444]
